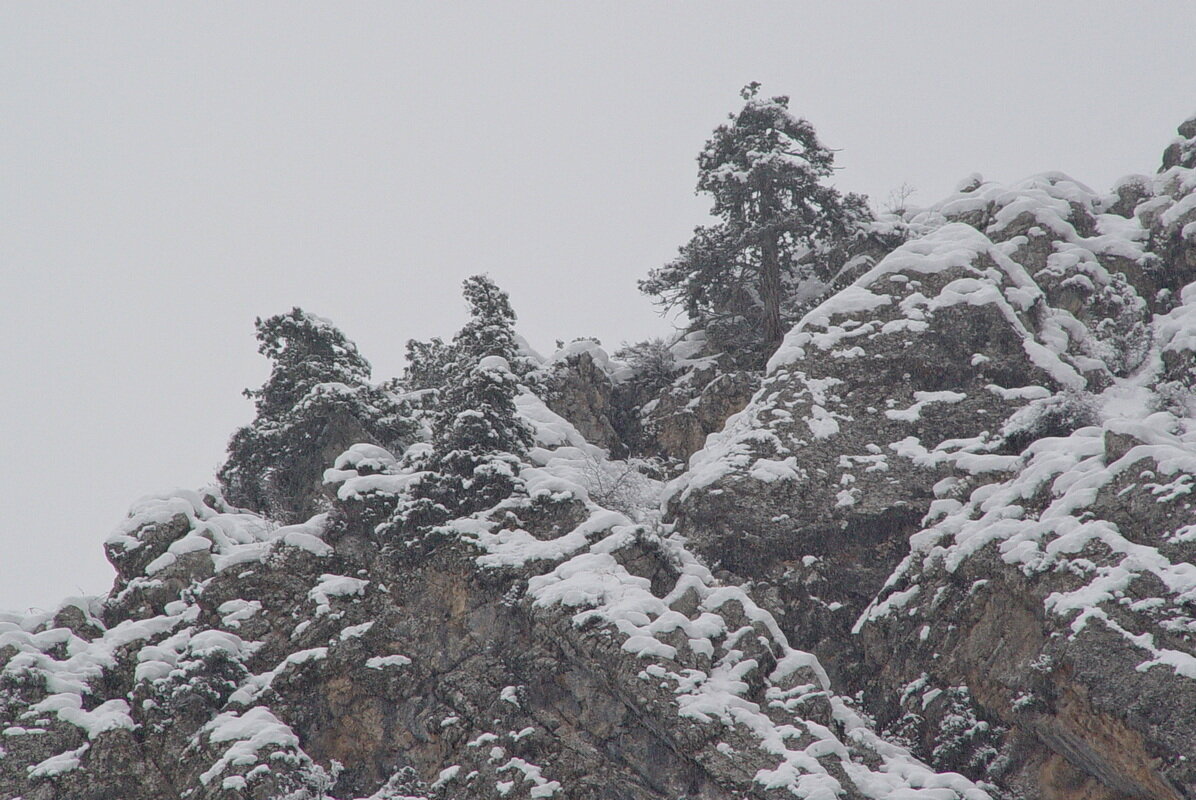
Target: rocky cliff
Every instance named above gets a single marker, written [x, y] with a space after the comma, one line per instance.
[942, 548]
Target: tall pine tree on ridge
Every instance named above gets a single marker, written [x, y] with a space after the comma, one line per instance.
[764, 170]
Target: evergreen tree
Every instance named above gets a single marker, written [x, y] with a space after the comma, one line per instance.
[305, 351]
[477, 437]
[317, 401]
[490, 330]
[764, 170]
[428, 364]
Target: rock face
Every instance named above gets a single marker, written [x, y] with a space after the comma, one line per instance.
[628, 413]
[942, 549]
[964, 483]
[695, 406]
[583, 392]
[551, 648]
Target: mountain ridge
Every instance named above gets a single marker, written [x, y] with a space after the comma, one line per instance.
[942, 547]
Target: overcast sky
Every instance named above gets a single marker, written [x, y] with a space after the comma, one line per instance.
[168, 172]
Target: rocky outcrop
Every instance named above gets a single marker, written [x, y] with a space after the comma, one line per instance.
[942, 550]
[695, 406]
[583, 392]
[964, 486]
[1071, 619]
[656, 410]
[549, 648]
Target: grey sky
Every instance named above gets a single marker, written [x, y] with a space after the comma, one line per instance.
[170, 171]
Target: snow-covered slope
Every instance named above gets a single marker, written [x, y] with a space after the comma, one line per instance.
[966, 481]
[277, 663]
[945, 552]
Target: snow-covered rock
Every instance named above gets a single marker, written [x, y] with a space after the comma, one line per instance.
[943, 551]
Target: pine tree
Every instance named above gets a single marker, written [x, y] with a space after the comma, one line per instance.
[428, 364]
[764, 170]
[477, 437]
[305, 351]
[317, 401]
[490, 330]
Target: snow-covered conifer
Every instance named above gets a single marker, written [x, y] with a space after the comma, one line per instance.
[477, 437]
[428, 364]
[490, 330]
[317, 401]
[764, 170]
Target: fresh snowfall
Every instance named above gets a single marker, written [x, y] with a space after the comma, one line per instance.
[904, 513]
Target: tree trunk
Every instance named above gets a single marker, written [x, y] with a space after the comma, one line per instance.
[770, 293]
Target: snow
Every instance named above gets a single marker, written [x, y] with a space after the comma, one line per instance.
[69, 673]
[698, 639]
[591, 582]
[580, 573]
[58, 764]
[618, 371]
[1075, 470]
[447, 774]
[1020, 392]
[493, 364]
[331, 586]
[157, 661]
[922, 399]
[228, 536]
[481, 740]
[366, 456]
[355, 631]
[541, 787]
[898, 297]
[301, 537]
[234, 612]
[381, 662]
[767, 470]
[1176, 331]
[255, 730]
[256, 685]
[188, 544]
[110, 715]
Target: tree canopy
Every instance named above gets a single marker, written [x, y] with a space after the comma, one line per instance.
[490, 330]
[317, 400]
[477, 437]
[764, 169]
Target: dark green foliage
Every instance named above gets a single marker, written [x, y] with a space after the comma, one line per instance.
[20, 687]
[963, 742]
[403, 785]
[306, 351]
[316, 402]
[428, 364]
[778, 222]
[1059, 415]
[194, 690]
[653, 361]
[477, 437]
[490, 330]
